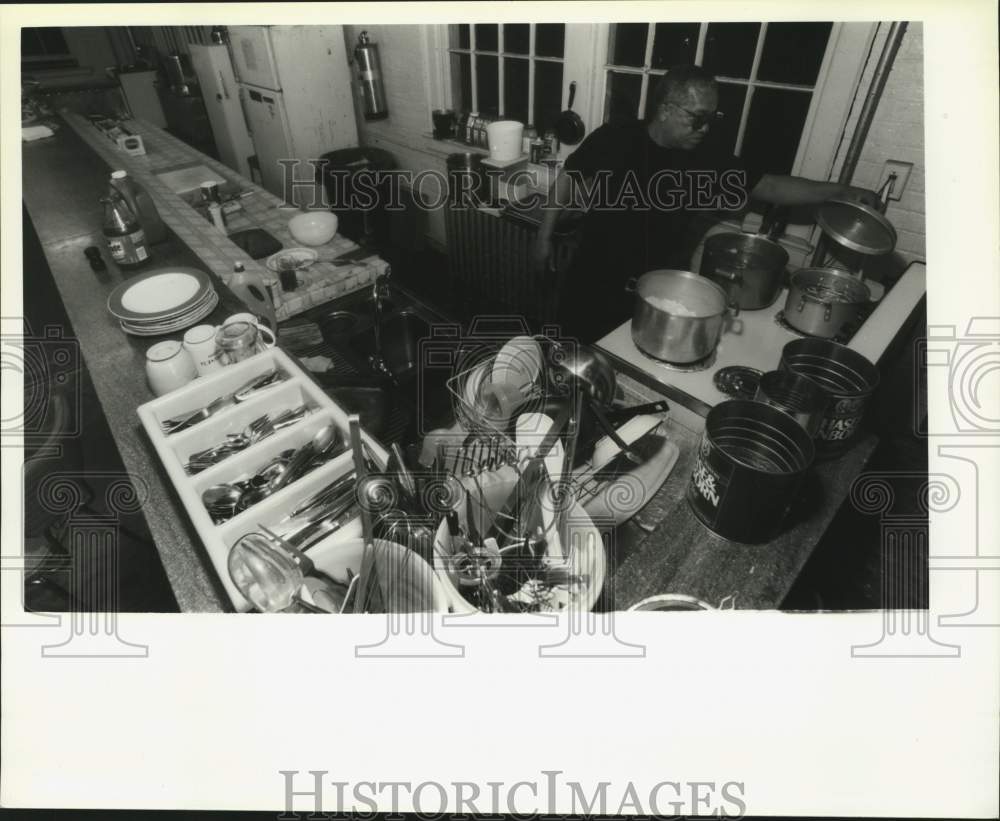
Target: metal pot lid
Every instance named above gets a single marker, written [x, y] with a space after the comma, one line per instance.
[738, 381]
[857, 227]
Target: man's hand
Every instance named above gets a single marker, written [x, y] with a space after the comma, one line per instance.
[863, 195]
[786, 190]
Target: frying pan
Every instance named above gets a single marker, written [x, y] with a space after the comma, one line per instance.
[569, 127]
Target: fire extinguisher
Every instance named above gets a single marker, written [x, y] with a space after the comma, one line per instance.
[370, 71]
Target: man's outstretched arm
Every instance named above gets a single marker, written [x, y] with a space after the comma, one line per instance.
[787, 190]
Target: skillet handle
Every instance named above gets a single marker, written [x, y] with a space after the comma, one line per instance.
[572, 95]
[606, 426]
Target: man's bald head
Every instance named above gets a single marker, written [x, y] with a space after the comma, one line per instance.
[675, 86]
[685, 102]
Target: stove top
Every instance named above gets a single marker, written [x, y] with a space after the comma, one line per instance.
[690, 367]
[753, 340]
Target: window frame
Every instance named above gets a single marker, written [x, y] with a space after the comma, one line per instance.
[531, 58]
[61, 58]
[585, 57]
[840, 74]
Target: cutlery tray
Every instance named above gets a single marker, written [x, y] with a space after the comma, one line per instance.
[174, 450]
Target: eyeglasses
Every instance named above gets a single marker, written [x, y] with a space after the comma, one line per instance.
[699, 119]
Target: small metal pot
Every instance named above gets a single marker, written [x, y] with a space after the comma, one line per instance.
[821, 301]
[749, 267]
[675, 336]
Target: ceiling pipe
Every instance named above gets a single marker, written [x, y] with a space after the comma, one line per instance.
[880, 76]
[889, 50]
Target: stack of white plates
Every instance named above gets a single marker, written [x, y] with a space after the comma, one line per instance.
[163, 301]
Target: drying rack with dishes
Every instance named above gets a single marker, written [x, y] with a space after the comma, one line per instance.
[514, 401]
[163, 301]
[525, 376]
[287, 388]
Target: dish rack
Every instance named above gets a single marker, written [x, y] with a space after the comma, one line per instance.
[484, 432]
[174, 450]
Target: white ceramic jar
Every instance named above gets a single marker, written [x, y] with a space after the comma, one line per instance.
[168, 366]
[200, 343]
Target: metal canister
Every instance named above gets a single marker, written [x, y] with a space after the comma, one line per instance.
[751, 462]
[847, 378]
[370, 78]
[799, 397]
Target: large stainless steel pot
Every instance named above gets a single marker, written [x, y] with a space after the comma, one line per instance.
[678, 316]
[821, 301]
[749, 267]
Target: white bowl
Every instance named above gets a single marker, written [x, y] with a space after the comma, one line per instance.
[586, 554]
[313, 227]
[408, 581]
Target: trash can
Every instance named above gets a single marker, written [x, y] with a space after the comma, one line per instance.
[344, 186]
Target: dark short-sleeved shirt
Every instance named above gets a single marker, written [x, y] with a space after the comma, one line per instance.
[642, 203]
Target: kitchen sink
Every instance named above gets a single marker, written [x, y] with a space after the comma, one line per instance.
[256, 242]
[410, 384]
[401, 342]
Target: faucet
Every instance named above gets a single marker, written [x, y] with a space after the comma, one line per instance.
[380, 293]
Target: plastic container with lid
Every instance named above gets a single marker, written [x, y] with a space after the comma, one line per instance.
[142, 205]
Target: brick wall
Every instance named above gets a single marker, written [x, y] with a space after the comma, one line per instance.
[897, 133]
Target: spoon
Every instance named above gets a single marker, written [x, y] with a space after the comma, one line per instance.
[221, 501]
[224, 500]
[322, 441]
[269, 579]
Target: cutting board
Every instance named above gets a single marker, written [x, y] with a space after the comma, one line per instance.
[184, 180]
[623, 494]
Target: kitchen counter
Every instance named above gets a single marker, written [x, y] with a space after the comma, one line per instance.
[665, 549]
[63, 177]
[320, 283]
[62, 180]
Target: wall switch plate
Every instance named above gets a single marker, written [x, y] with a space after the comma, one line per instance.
[902, 172]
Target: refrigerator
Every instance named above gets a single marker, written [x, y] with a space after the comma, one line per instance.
[225, 113]
[295, 87]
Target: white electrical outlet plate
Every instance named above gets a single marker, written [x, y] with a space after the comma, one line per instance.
[902, 171]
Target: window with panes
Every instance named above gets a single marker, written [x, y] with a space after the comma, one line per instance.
[767, 74]
[510, 70]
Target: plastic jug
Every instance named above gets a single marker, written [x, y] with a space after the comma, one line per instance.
[142, 205]
[251, 288]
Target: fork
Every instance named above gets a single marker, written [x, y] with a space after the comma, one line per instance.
[171, 426]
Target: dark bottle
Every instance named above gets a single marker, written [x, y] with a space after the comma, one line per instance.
[125, 237]
[142, 205]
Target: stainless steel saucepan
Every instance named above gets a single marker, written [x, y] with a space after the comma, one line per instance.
[679, 316]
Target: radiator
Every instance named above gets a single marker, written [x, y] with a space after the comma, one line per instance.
[490, 266]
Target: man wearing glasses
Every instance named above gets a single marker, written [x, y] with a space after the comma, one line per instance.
[642, 184]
